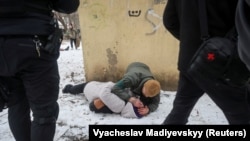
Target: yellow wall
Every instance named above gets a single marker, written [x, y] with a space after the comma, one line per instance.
[118, 32]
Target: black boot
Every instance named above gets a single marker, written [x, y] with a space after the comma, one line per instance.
[74, 89]
[67, 88]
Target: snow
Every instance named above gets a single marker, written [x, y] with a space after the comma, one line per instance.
[75, 117]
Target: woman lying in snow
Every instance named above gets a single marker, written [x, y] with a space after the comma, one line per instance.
[103, 101]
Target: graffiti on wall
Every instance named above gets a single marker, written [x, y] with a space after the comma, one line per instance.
[156, 19]
[135, 13]
[155, 26]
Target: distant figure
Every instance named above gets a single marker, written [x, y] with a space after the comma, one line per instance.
[72, 36]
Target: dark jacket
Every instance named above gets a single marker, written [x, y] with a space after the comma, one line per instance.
[243, 28]
[183, 24]
[37, 18]
[136, 75]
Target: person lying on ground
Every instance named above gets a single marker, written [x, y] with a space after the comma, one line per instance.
[103, 101]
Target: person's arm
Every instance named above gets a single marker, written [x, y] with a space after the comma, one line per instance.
[129, 80]
[119, 90]
[171, 18]
[136, 102]
[145, 110]
[112, 101]
[154, 104]
[65, 6]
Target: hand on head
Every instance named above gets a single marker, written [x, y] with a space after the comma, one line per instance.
[143, 110]
[137, 103]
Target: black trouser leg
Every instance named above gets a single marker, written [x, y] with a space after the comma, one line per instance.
[35, 78]
[76, 89]
[187, 95]
[72, 43]
[232, 100]
[42, 89]
[42, 93]
[75, 43]
[44, 123]
[19, 110]
[19, 120]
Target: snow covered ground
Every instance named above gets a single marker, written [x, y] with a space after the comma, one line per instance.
[75, 116]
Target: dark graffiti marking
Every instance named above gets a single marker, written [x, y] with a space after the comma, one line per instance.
[136, 13]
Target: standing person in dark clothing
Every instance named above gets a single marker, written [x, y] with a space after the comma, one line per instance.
[72, 36]
[29, 48]
[141, 82]
[181, 19]
[243, 26]
[242, 22]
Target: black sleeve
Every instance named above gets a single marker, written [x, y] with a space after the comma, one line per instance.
[154, 104]
[66, 6]
[171, 18]
[242, 21]
[248, 2]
